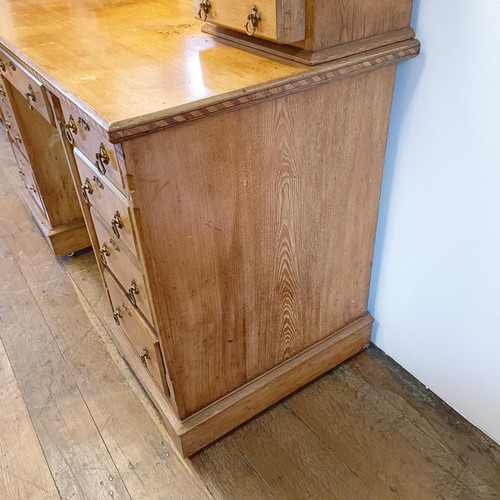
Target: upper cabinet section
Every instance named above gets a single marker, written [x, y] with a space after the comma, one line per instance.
[310, 31]
[281, 21]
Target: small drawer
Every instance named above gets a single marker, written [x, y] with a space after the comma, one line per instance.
[4, 100]
[110, 203]
[281, 21]
[83, 135]
[137, 331]
[123, 267]
[32, 90]
[26, 175]
[13, 130]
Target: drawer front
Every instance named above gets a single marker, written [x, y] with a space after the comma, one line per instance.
[281, 21]
[121, 265]
[33, 91]
[83, 135]
[110, 203]
[138, 333]
[13, 129]
[26, 175]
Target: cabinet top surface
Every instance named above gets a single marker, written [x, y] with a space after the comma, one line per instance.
[128, 61]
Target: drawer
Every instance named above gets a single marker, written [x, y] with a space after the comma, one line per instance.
[110, 203]
[4, 100]
[139, 334]
[123, 267]
[83, 135]
[13, 129]
[26, 175]
[31, 88]
[281, 21]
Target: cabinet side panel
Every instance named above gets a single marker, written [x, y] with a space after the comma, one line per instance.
[258, 229]
[333, 22]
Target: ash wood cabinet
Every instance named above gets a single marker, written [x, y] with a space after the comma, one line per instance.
[232, 214]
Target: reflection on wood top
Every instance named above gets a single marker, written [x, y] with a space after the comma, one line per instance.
[125, 60]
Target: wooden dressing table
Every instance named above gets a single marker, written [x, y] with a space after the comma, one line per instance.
[230, 194]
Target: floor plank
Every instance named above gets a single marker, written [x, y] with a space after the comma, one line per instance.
[24, 472]
[365, 430]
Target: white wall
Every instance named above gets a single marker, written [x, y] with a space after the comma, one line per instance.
[435, 291]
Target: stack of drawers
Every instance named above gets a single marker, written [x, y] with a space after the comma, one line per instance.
[35, 98]
[104, 191]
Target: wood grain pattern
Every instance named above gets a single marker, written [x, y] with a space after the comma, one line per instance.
[330, 23]
[139, 37]
[280, 20]
[266, 216]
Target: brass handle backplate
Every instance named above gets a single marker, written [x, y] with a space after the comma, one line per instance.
[30, 96]
[104, 252]
[117, 223]
[145, 355]
[70, 129]
[102, 159]
[132, 292]
[252, 21]
[86, 190]
[204, 10]
[117, 314]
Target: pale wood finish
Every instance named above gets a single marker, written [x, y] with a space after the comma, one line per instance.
[107, 202]
[137, 331]
[49, 191]
[254, 205]
[282, 21]
[333, 29]
[139, 37]
[243, 279]
[336, 22]
[90, 141]
[126, 269]
[29, 87]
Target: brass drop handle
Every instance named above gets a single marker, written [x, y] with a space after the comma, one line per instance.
[117, 314]
[98, 182]
[18, 140]
[252, 21]
[104, 252]
[70, 129]
[8, 126]
[86, 190]
[102, 159]
[2, 66]
[117, 223]
[204, 10]
[13, 67]
[32, 189]
[30, 96]
[21, 173]
[132, 292]
[145, 355]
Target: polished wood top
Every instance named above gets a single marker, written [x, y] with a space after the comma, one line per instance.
[129, 61]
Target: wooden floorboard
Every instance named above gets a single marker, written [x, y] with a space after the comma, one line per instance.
[75, 423]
